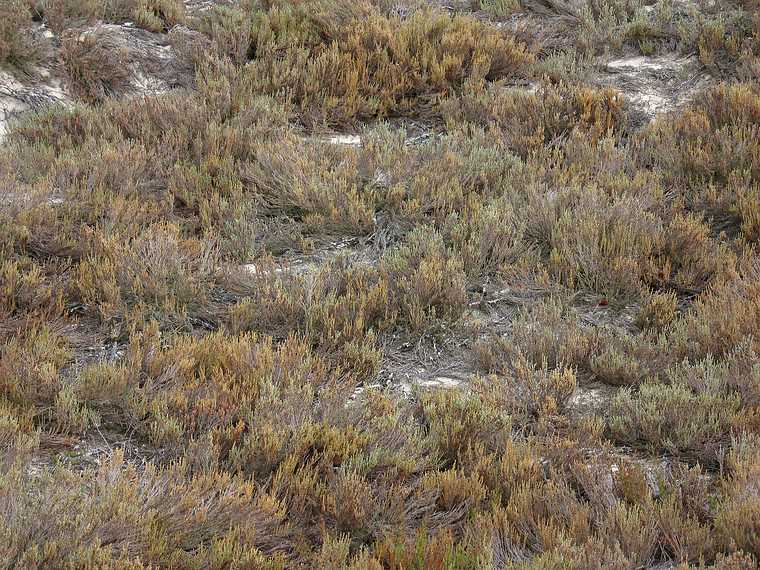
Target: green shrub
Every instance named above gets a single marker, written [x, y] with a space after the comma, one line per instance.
[674, 419]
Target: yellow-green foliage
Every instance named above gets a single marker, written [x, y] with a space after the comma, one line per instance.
[27, 291]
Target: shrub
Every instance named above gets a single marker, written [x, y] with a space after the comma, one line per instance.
[96, 66]
[549, 333]
[153, 15]
[329, 47]
[725, 315]
[658, 311]
[497, 9]
[60, 15]
[226, 311]
[529, 121]
[158, 275]
[530, 395]
[31, 368]
[428, 280]
[737, 521]
[229, 30]
[711, 149]
[18, 46]
[158, 15]
[674, 419]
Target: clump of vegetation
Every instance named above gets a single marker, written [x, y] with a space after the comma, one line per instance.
[676, 420]
[19, 48]
[694, 150]
[158, 15]
[530, 121]
[497, 9]
[96, 66]
[353, 61]
[152, 15]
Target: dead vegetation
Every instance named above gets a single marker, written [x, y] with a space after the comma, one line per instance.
[535, 234]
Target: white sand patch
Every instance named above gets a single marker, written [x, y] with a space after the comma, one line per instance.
[654, 85]
[637, 63]
[349, 140]
[652, 102]
[440, 382]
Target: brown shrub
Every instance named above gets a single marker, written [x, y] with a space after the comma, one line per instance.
[726, 315]
[338, 48]
[96, 67]
[18, 46]
[696, 426]
[153, 15]
[529, 121]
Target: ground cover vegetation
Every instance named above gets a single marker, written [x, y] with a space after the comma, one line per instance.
[194, 375]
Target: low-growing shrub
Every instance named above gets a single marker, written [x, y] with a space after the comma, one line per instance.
[531, 120]
[152, 15]
[19, 47]
[336, 48]
[675, 419]
[96, 66]
[240, 319]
